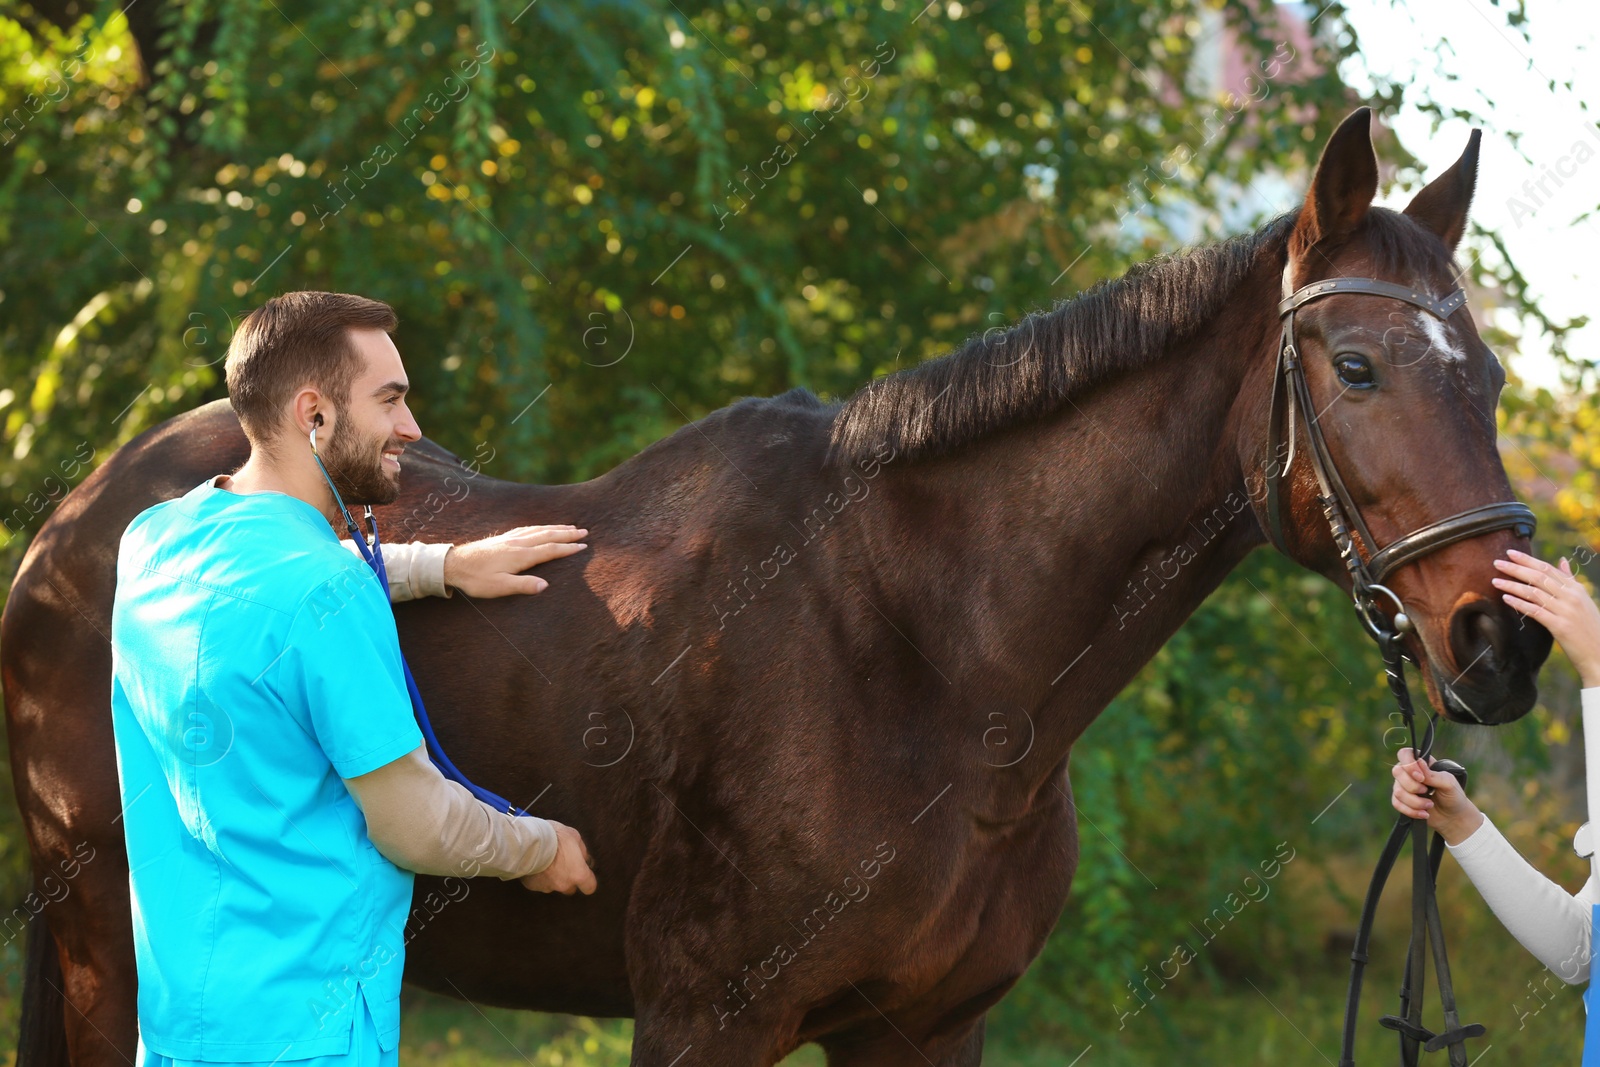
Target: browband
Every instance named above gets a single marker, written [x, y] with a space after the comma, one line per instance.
[1441, 308]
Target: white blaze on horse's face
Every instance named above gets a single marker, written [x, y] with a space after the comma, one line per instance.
[1439, 333]
[1439, 340]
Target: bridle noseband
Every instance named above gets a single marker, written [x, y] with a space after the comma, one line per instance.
[1291, 393]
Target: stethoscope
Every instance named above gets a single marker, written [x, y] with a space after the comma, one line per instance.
[374, 556]
[368, 546]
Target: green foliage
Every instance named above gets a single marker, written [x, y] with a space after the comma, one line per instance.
[741, 197]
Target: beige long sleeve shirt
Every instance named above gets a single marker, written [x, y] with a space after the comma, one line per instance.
[416, 817]
[415, 570]
[424, 822]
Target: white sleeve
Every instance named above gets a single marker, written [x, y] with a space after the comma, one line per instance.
[415, 570]
[1554, 925]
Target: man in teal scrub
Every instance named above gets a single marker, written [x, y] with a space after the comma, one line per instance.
[277, 797]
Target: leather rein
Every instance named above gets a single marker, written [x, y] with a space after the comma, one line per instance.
[1369, 566]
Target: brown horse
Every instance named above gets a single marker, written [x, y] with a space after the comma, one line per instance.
[766, 693]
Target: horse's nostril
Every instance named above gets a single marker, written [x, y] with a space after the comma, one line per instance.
[1490, 636]
[1477, 639]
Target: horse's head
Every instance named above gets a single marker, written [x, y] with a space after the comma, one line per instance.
[1405, 400]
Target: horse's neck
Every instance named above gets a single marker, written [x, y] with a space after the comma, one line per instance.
[1055, 559]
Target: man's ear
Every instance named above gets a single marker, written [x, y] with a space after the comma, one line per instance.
[1443, 203]
[304, 409]
[1343, 187]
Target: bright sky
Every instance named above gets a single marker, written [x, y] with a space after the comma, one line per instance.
[1533, 197]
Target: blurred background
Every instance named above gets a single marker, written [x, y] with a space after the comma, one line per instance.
[599, 221]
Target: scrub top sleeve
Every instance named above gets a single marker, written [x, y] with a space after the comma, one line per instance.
[341, 665]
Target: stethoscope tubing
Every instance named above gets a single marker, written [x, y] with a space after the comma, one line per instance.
[373, 554]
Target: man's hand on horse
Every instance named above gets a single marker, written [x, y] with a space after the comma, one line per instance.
[493, 566]
[570, 871]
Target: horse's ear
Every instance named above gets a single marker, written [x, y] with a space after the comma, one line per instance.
[1344, 184]
[1442, 205]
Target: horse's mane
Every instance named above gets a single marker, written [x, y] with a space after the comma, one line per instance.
[1000, 379]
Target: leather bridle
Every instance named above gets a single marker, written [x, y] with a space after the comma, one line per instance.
[1369, 566]
[1291, 393]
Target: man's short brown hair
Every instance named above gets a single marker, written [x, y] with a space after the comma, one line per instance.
[292, 341]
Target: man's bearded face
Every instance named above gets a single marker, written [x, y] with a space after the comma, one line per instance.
[355, 463]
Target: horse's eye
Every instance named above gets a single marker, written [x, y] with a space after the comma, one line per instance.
[1354, 371]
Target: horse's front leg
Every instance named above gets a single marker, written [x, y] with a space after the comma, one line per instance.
[695, 926]
[671, 1035]
[957, 1046]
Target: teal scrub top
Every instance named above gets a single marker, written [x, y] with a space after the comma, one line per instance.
[255, 665]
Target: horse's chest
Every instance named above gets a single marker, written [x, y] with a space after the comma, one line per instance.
[989, 905]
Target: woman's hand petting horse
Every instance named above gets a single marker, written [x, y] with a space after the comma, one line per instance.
[491, 567]
[1554, 598]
